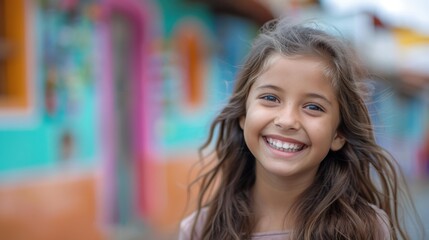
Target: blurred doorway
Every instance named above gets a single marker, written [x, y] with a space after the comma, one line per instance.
[125, 127]
[122, 37]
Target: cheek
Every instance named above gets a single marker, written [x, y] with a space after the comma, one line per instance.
[253, 113]
[323, 131]
[254, 121]
[259, 117]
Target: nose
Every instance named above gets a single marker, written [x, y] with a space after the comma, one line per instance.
[288, 118]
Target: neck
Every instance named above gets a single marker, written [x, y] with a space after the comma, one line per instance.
[274, 198]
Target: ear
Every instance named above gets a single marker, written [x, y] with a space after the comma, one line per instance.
[241, 122]
[338, 142]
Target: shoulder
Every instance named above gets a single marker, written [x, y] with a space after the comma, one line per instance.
[384, 223]
[187, 223]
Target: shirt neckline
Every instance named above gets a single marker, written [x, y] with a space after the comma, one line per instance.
[271, 233]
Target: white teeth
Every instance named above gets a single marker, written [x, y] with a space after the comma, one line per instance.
[284, 146]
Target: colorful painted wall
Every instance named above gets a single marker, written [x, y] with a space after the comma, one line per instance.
[104, 103]
[118, 95]
[49, 146]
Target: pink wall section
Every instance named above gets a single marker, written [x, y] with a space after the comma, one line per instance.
[143, 76]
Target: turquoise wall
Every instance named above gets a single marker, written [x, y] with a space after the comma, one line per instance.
[63, 44]
[66, 43]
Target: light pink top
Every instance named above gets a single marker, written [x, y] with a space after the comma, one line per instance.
[186, 228]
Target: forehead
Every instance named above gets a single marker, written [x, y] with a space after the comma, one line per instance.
[319, 61]
[303, 63]
[297, 74]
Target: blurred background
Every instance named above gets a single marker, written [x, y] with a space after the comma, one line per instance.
[104, 103]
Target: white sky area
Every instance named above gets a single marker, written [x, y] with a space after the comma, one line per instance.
[408, 13]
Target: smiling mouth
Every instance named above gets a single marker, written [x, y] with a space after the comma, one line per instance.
[284, 146]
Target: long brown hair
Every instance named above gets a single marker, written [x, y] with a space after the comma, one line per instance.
[338, 204]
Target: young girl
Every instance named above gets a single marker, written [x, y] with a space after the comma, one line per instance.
[295, 151]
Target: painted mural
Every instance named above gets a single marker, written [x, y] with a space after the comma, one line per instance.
[64, 79]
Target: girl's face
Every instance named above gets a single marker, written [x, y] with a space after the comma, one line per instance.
[291, 120]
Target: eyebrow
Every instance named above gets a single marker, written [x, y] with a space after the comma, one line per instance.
[323, 98]
[269, 86]
[309, 95]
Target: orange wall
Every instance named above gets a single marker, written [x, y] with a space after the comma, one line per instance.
[50, 208]
[165, 189]
[15, 74]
